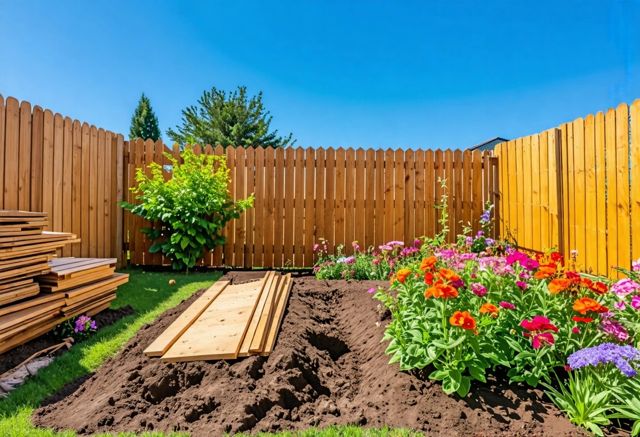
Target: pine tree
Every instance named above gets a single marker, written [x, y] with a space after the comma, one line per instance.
[144, 123]
[233, 118]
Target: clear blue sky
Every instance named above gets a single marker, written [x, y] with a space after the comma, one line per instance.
[335, 73]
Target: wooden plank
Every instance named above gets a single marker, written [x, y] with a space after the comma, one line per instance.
[536, 216]
[457, 192]
[24, 161]
[622, 183]
[85, 145]
[105, 196]
[466, 173]
[11, 153]
[318, 208]
[309, 205]
[289, 184]
[340, 187]
[450, 187]
[15, 318]
[76, 185]
[67, 169]
[635, 179]
[179, 326]
[278, 316]
[58, 173]
[430, 186]
[219, 331]
[298, 237]
[260, 335]
[399, 192]
[80, 308]
[379, 215]
[600, 194]
[32, 333]
[420, 189]
[580, 192]
[349, 201]
[240, 193]
[389, 193]
[2, 149]
[259, 231]
[121, 184]
[253, 332]
[409, 231]
[527, 175]
[329, 201]
[562, 163]
[369, 199]
[18, 293]
[359, 211]
[67, 284]
[571, 188]
[269, 208]
[93, 195]
[229, 231]
[545, 218]
[37, 132]
[591, 215]
[97, 288]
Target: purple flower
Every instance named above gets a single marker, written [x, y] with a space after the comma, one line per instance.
[614, 329]
[478, 289]
[625, 286]
[620, 305]
[385, 247]
[408, 251]
[93, 325]
[395, 243]
[490, 241]
[468, 241]
[486, 215]
[507, 305]
[371, 290]
[635, 302]
[607, 353]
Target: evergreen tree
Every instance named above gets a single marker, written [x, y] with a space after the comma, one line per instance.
[144, 123]
[228, 119]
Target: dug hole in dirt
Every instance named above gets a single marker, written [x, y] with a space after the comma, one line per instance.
[328, 367]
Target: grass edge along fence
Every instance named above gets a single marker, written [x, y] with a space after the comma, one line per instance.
[577, 188]
[303, 195]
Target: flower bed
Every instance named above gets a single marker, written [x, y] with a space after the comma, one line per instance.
[470, 309]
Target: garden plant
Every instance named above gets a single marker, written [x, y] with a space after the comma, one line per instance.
[479, 307]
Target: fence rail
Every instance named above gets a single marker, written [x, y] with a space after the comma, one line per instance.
[69, 169]
[341, 195]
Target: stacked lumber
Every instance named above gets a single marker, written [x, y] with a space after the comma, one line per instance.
[25, 251]
[227, 322]
[66, 288]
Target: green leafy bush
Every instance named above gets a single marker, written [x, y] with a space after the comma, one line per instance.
[190, 209]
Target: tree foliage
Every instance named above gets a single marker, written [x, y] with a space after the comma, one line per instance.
[144, 123]
[189, 210]
[228, 119]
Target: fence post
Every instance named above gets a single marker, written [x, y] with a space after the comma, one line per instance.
[556, 137]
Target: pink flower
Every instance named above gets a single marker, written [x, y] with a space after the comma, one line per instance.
[478, 289]
[371, 290]
[575, 330]
[625, 286]
[522, 285]
[635, 302]
[635, 265]
[620, 305]
[541, 339]
[507, 305]
[356, 246]
[614, 329]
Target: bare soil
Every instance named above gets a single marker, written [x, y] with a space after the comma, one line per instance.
[328, 367]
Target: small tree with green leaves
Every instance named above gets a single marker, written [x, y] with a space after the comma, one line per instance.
[192, 207]
[232, 119]
[144, 123]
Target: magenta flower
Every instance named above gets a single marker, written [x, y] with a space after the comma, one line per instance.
[625, 286]
[614, 329]
[371, 290]
[478, 289]
[539, 340]
[635, 265]
[507, 305]
[635, 302]
[522, 285]
[620, 305]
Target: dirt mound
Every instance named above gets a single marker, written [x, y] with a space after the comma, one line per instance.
[328, 367]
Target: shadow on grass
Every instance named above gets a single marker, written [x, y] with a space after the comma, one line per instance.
[149, 294]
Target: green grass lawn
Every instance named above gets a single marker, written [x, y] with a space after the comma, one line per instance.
[150, 295]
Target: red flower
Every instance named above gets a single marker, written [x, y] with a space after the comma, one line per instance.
[582, 319]
[599, 287]
[539, 328]
[428, 278]
[557, 257]
[463, 320]
[541, 339]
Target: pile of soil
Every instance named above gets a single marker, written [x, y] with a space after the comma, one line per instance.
[328, 367]
[16, 356]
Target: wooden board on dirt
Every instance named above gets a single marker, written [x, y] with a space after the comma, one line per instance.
[271, 283]
[165, 340]
[218, 333]
[274, 328]
[254, 340]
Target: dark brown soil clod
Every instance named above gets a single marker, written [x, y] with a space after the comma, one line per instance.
[328, 367]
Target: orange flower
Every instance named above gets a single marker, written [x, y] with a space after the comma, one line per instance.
[449, 275]
[428, 278]
[440, 290]
[402, 274]
[545, 271]
[489, 308]
[559, 284]
[599, 287]
[428, 263]
[586, 305]
[463, 320]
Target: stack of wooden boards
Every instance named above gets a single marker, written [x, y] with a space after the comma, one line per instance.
[25, 250]
[227, 321]
[69, 287]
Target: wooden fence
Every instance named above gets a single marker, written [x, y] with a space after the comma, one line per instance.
[69, 169]
[341, 195]
[577, 187]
